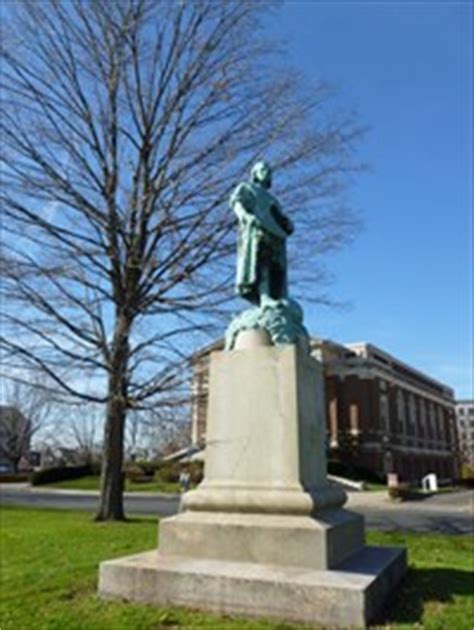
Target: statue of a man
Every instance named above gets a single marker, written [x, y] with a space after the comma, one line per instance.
[263, 229]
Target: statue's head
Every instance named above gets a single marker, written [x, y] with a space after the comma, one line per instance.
[262, 174]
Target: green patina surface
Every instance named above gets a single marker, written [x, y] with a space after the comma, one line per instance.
[261, 276]
[282, 319]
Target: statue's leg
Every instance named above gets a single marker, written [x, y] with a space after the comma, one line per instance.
[264, 287]
[275, 269]
[277, 281]
[284, 273]
[283, 283]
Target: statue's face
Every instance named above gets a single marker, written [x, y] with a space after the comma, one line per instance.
[262, 173]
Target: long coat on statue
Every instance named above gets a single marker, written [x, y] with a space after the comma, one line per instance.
[261, 240]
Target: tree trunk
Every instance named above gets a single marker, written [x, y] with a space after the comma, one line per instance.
[111, 483]
[112, 477]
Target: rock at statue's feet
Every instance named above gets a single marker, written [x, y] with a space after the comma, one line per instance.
[281, 320]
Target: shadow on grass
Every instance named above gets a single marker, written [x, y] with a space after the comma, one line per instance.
[421, 586]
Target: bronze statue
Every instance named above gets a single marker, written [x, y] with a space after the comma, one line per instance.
[261, 264]
[263, 230]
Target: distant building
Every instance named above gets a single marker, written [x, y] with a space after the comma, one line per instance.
[387, 415]
[15, 438]
[199, 390]
[382, 414]
[465, 421]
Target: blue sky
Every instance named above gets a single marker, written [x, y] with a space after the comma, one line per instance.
[407, 68]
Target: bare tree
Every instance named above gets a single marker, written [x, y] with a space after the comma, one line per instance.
[73, 432]
[27, 410]
[167, 430]
[133, 434]
[83, 434]
[175, 437]
[152, 433]
[125, 125]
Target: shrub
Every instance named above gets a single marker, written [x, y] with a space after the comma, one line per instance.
[148, 468]
[59, 473]
[467, 473]
[14, 477]
[136, 475]
[96, 468]
[400, 492]
[168, 472]
[196, 471]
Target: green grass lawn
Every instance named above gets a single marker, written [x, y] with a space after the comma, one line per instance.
[91, 482]
[50, 561]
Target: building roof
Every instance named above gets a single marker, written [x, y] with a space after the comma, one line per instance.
[370, 351]
[330, 351]
[207, 349]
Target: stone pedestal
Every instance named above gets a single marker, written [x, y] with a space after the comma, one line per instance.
[264, 534]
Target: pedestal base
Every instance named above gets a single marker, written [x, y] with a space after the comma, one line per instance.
[264, 535]
[349, 596]
[298, 541]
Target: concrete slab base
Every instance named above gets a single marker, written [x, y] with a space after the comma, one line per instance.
[349, 596]
[315, 543]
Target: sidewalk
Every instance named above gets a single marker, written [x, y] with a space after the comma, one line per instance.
[463, 502]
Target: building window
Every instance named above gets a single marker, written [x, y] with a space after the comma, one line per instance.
[384, 413]
[401, 407]
[411, 409]
[432, 419]
[423, 415]
[441, 423]
[461, 411]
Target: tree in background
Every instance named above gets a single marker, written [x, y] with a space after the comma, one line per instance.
[152, 433]
[125, 126]
[27, 410]
[77, 430]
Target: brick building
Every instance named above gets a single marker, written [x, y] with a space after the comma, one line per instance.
[465, 422]
[382, 415]
[386, 415]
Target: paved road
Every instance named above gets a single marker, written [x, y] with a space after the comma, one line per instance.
[135, 503]
[403, 519]
[446, 513]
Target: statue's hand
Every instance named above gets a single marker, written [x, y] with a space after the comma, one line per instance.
[286, 223]
[289, 227]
